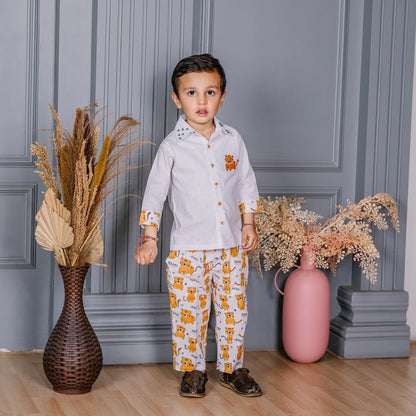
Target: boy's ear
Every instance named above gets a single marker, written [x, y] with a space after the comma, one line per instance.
[222, 98]
[176, 100]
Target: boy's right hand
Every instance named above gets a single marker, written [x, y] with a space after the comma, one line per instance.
[146, 253]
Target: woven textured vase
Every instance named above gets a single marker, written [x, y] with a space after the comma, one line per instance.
[73, 359]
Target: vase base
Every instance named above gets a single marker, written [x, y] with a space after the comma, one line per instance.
[72, 359]
[71, 391]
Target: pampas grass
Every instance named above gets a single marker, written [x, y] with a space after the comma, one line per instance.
[284, 229]
[70, 227]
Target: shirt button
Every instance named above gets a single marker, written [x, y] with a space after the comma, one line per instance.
[219, 203]
[216, 183]
[212, 165]
[209, 146]
[222, 222]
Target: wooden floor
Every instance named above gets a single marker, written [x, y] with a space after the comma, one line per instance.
[333, 386]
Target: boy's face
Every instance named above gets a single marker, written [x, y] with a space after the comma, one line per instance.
[200, 98]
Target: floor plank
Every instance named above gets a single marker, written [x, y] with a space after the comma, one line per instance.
[330, 387]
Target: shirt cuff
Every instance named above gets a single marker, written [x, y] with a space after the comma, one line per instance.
[151, 218]
[248, 207]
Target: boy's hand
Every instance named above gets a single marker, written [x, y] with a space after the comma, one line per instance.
[249, 238]
[146, 253]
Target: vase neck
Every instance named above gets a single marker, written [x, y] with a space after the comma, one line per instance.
[307, 258]
[73, 278]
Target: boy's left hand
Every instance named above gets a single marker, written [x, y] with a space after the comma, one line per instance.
[249, 238]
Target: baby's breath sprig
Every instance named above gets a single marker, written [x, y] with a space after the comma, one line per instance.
[284, 229]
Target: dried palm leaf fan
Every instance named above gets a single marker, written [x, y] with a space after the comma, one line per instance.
[69, 217]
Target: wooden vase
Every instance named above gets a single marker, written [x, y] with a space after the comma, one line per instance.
[73, 358]
[306, 312]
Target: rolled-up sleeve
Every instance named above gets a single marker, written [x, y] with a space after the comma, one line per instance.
[248, 201]
[157, 187]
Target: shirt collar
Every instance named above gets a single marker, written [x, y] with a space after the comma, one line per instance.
[183, 130]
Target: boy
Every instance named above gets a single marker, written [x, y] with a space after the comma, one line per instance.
[203, 168]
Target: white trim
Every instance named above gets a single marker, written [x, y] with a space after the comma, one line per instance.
[410, 267]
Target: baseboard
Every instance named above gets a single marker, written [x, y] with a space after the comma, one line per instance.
[135, 328]
[380, 341]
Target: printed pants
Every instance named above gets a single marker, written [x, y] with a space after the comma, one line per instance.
[194, 277]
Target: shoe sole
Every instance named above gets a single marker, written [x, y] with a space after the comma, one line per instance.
[231, 387]
[194, 395]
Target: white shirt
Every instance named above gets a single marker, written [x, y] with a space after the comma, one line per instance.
[209, 184]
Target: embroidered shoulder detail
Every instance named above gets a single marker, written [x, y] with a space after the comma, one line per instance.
[227, 131]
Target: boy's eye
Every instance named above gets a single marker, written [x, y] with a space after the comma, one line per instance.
[191, 93]
[211, 92]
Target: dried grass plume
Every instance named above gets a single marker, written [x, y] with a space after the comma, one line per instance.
[69, 218]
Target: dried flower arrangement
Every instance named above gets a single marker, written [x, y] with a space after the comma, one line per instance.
[69, 218]
[284, 229]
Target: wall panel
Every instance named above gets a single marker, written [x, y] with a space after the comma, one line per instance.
[26, 88]
[17, 244]
[137, 43]
[291, 92]
[292, 83]
[20, 67]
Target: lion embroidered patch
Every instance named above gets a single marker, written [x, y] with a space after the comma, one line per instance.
[230, 163]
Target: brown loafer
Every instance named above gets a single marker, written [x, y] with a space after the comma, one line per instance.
[240, 382]
[193, 384]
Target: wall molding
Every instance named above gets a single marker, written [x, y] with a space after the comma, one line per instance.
[297, 166]
[332, 194]
[29, 193]
[203, 18]
[337, 136]
[31, 83]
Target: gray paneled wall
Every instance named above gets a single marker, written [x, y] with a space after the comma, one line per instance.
[26, 88]
[384, 135]
[136, 45]
[361, 329]
[320, 90]
[293, 87]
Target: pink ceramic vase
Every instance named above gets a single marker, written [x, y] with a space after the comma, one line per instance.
[306, 311]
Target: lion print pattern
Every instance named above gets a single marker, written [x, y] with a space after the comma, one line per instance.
[149, 218]
[249, 206]
[195, 279]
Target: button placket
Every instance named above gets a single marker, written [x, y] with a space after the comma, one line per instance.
[215, 181]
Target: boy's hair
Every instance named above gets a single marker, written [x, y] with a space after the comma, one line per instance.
[198, 63]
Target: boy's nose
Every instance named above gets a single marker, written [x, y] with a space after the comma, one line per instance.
[201, 99]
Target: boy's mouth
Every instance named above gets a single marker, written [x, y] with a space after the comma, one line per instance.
[202, 112]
